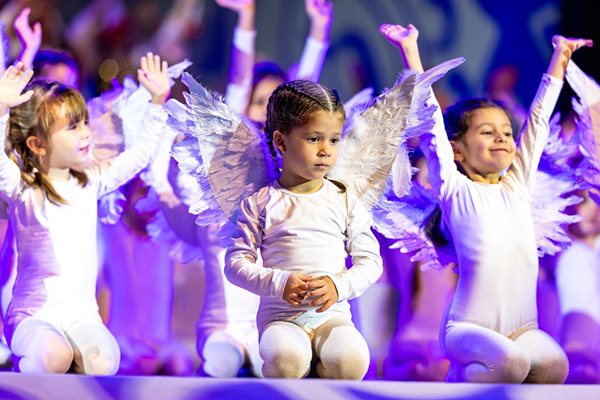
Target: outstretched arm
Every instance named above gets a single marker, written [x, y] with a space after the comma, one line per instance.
[241, 63]
[535, 131]
[311, 63]
[12, 83]
[153, 76]
[434, 144]
[29, 36]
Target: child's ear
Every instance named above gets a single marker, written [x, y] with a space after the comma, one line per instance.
[458, 149]
[36, 145]
[279, 141]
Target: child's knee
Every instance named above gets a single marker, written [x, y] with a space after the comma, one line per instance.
[351, 363]
[553, 368]
[286, 363]
[56, 359]
[222, 358]
[101, 362]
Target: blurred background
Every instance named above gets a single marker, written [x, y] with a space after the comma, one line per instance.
[506, 45]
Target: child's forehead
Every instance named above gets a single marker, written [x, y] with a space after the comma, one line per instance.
[488, 114]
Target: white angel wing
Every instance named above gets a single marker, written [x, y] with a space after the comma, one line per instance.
[160, 231]
[403, 220]
[373, 139]
[588, 124]
[549, 198]
[227, 156]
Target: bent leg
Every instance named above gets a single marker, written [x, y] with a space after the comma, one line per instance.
[286, 351]
[222, 355]
[342, 351]
[549, 362]
[96, 350]
[478, 354]
[39, 347]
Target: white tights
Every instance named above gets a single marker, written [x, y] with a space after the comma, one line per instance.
[478, 354]
[287, 350]
[40, 347]
[223, 355]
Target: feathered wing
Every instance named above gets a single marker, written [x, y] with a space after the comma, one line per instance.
[404, 220]
[227, 156]
[587, 108]
[373, 141]
[3, 48]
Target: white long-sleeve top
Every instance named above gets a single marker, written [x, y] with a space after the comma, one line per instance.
[57, 265]
[492, 226]
[310, 234]
[237, 94]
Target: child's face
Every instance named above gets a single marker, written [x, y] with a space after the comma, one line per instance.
[488, 146]
[257, 109]
[70, 144]
[311, 150]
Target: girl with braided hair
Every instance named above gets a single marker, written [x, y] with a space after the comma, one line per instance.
[303, 226]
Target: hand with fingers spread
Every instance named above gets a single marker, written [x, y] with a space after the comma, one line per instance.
[30, 36]
[322, 292]
[404, 38]
[153, 76]
[296, 288]
[12, 83]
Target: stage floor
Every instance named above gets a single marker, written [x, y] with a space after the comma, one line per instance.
[42, 386]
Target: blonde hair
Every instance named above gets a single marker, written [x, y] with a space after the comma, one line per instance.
[35, 118]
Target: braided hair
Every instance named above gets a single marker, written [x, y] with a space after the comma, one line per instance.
[292, 104]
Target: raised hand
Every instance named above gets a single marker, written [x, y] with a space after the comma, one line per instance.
[296, 288]
[153, 76]
[12, 83]
[322, 292]
[30, 37]
[320, 13]
[563, 50]
[237, 5]
[404, 38]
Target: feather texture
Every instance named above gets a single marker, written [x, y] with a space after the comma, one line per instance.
[374, 138]
[227, 156]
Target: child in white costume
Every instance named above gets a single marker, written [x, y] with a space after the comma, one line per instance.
[52, 320]
[305, 226]
[491, 333]
[227, 336]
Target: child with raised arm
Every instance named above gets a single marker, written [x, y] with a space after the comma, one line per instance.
[483, 181]
[303, 226]
[52, 322]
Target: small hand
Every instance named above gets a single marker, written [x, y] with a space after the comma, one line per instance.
[322, 292]
[320, 12]
[153, 76]
[31, 39]
[12, 83]
[237, 6]
[570, 44]
[296, 288]
[400, 36]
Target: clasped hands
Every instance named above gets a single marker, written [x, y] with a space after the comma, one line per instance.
[318, 292]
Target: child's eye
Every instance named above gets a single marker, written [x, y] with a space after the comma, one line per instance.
[486, 132]
[508, 134]
[313, 139]
[335, 140]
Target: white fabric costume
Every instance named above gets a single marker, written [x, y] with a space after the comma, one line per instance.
[226, 329]
[310, 234]
[54, 300]
[494, 236]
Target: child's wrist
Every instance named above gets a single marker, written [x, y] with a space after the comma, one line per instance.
[160, 98]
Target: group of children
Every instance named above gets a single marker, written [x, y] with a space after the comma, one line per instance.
[288, 251]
